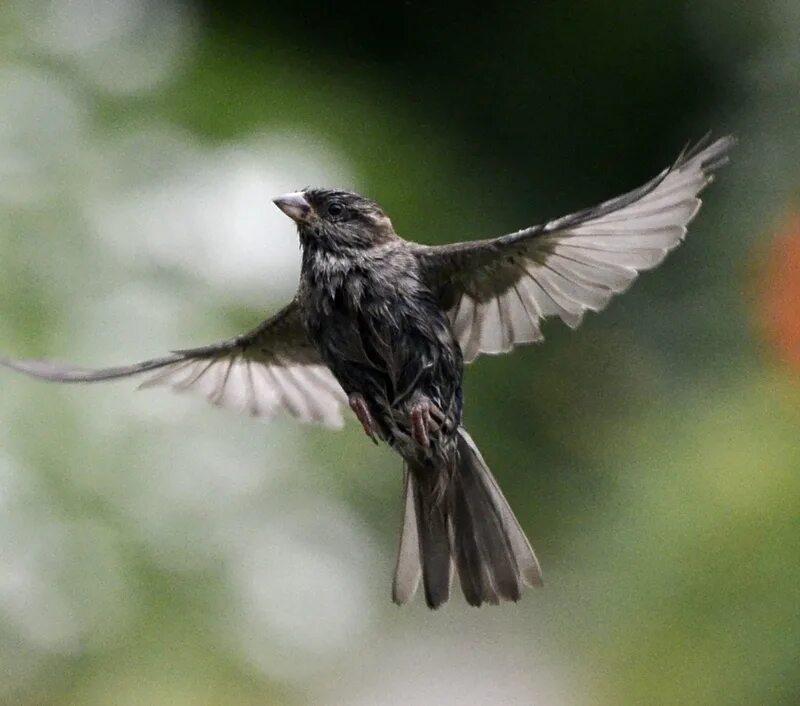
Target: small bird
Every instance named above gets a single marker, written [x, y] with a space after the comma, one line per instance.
[385, 326]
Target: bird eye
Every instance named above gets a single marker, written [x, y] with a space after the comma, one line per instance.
[335, 209]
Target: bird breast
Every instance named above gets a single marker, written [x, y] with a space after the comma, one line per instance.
[371, 309]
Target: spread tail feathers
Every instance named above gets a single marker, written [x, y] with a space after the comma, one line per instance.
[472, 526]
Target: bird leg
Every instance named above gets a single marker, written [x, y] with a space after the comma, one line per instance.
[359, 406]
[426, 418]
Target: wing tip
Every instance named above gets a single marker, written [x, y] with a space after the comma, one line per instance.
[709, 155]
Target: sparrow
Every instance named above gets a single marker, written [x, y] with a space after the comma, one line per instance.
[385, 326]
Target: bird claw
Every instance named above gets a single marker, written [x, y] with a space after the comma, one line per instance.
[359, 406]
[426, 419]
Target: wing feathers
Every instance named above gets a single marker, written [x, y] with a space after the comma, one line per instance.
[64, 372]
[273, 368]
[501, 289]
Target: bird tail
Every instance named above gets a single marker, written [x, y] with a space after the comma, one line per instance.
[470, 525]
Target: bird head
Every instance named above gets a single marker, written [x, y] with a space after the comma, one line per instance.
[336, 219]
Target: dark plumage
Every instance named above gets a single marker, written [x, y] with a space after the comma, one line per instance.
[386, 326]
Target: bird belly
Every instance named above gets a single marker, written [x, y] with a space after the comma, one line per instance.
[396, 351]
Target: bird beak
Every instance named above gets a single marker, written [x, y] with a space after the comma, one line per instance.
[294, 205]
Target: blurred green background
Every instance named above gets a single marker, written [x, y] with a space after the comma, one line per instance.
[154, 551]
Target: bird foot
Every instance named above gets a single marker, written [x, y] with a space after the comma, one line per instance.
[426, 419]
[359, 406]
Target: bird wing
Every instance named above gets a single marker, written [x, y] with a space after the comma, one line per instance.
[272, 368]
[498, 291]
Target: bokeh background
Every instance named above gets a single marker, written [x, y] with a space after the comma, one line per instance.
[154, 551]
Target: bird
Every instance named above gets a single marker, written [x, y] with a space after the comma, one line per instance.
[385, 326]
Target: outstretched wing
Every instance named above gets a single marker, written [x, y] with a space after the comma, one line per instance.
[498, 291]
[272, 368]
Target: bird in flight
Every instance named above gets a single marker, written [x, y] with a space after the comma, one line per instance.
[385, 326]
